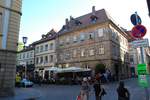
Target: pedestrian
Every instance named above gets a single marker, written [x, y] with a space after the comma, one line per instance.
[99, 91]
[85, 89]
[123, 93]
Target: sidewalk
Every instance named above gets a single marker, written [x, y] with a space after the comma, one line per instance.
[24, 94]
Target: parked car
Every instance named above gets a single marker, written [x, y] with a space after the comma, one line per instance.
[26, 83]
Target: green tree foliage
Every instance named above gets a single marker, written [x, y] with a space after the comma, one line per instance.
[20, 46]
[100, 68]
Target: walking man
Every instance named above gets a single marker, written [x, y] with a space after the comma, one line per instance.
[123, 93]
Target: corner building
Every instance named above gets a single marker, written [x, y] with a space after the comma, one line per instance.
[91, 39]
[10, 14]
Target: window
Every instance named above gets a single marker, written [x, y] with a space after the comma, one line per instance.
[46, 59]
[51, 46]
[31, 62]
[23, 55]
[61, 57]
[37, 60]
[41, 60]
[37, 49]
[100, 32]
[115, 51]
[67, 40]
[31, 54]
[91, 35]
[19, 56]
[75, 39]
[27, 54]
[46, 47]
[41, 48]
[74, 53]
[82, 36]
[67, 56]
[101, 49]
[131, 58]
[51, 58]
[93, 20]
[91, 52]
[82, 52]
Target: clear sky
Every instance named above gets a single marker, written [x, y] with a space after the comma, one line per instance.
[40, 16]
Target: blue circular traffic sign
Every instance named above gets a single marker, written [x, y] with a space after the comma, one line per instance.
[135, 19]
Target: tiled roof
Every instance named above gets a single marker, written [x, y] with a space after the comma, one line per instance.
[85, 20]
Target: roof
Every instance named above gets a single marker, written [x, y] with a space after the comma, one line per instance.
[28, 48]
[49, 36]
[85, 20]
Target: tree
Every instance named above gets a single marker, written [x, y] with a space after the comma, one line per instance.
[20, 46]
[100, 68]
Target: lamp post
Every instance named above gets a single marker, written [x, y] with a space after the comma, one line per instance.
[24, 42]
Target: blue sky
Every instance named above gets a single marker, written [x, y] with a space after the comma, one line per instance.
[40, 16]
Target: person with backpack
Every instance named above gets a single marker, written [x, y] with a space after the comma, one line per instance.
[99, 91]
[123, 93]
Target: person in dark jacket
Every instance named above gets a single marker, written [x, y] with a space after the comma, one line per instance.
[123, 93]
[99, 91]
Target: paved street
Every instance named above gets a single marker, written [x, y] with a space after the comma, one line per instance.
[69, 92]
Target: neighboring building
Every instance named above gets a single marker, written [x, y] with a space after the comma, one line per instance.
[25, 61]
[45, 52]
[147, 57]
[92, 39]
[10, 14]
[26, 56]
[148, 4]
[134, 56]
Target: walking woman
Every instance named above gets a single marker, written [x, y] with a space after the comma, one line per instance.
[123, 93]
[85, 89]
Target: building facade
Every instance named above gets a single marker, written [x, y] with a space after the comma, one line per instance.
[45, 52]
[25, 62]
[26, 55]
[10, 14]
[134, 56]
[92, 39]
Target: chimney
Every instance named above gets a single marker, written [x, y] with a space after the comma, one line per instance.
[93, 10]
[67, 21]
[71, 18]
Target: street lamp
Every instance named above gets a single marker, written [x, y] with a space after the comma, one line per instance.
[24, 42]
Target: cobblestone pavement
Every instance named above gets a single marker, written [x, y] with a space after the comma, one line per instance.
[69, 92]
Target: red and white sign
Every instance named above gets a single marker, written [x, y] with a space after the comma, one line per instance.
[138, 31]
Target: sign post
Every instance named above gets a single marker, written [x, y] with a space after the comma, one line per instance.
[138, 31]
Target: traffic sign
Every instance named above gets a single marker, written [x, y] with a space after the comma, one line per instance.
[139, 43]
[135, 19]
[143, 80]
[138, 31]
[142, 69]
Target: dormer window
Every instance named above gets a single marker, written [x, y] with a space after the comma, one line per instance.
[93, 18]
[91, 35]
[77, 22]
